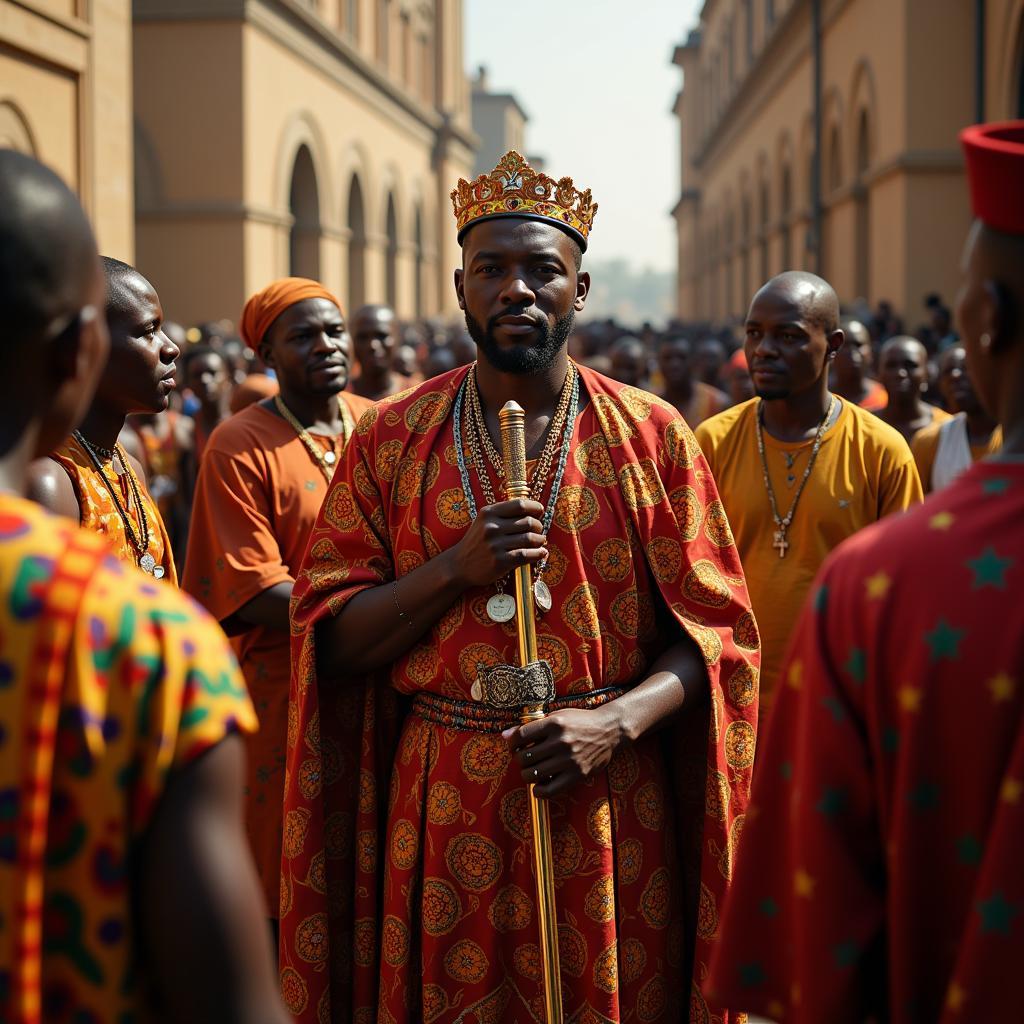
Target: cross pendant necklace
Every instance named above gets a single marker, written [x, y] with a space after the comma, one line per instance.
[780, 543]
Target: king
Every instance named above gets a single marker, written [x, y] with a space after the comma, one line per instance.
[407, 889]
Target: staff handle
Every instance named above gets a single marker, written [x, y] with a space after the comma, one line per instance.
[513, 442]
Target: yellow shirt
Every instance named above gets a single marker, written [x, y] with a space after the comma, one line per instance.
[925, 445]
[864, 470]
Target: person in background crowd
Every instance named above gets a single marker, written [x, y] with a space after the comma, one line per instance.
[852, 367]
[90, 478]
[903, 367]
[440, 360]
[880, 876]
[737, 374]
[798, 469]
[204, 372]
[693, 398]
[940, 324]
[406, 363]
[709, 357]
[463, 348]
[261, 485]
[126, 891]
[630, 362]
[945, 450]
[374, 332]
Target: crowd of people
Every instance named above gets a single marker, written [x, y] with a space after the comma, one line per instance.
[275, 673]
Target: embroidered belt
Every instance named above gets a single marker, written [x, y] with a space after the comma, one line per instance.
[476, 716]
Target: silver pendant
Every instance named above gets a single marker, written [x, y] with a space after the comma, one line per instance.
[147, 563]
[330, 458]
[118, 466]
[158, 572]
[501, 607]
[541, 595]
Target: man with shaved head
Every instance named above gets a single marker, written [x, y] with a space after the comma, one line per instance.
[374, 335]
[903, 365]
[126, 890]
[851, 371]
[799, 469]
[631, 363]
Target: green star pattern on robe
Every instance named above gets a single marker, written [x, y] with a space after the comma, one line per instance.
[944, 641]
[768, 907]
[751, 974]
[925, 796]
[996, 914]
[832, 802]
[997, 485]
[989, 569]
[968, 850]
[857, 664]
[846, 953]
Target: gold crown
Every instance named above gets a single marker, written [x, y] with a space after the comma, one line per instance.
[515, 189]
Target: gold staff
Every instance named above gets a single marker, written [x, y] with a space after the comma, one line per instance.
[513, 443]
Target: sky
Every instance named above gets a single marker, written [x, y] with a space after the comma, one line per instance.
[597, 81]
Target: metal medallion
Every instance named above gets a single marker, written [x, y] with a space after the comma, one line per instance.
[158, 572]
[541, 595]
[330, 458]
[501, 607]
[147, 563]
[476, 691]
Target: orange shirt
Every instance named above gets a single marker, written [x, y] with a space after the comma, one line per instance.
[257, 497]
[99, 514]
[926, 444]
[864, 470]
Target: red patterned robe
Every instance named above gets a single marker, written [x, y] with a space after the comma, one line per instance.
[880, 875]
[407, 885]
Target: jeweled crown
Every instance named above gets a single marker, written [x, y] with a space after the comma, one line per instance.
[515, 189]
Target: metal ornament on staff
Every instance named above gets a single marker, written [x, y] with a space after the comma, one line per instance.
[513, 443]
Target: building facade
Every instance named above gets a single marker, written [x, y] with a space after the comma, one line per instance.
[499, 123]
[311, 137]
[65, 98]
[822, 135]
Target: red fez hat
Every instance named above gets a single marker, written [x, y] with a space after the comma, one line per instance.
[995, 172]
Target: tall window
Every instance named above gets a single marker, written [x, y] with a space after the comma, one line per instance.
[769, 13]
[304, 204]
[352, 18]
[785, 208]
[383, 30]
[748, 20]
[356, 246]
[391, 256]
[862, 216]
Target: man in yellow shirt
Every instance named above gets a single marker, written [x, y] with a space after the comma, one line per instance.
[798, 468]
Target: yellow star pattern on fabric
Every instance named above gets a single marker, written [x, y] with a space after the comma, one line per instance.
[955, 997]
[803, 884]
[1011, 790]
[910, 698]
[1002, 687]
[795, 675]
[941, 521]
[878, 585]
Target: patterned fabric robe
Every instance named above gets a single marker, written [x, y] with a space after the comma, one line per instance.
[407, 887]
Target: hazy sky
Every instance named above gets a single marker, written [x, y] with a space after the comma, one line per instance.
[600, 111]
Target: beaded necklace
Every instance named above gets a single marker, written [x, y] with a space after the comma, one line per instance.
[324, 459]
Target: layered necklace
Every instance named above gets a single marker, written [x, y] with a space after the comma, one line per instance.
[501, 607]
[782, 523]
[138, 539]
[326, 460]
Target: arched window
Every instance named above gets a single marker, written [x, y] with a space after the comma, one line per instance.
[391, 255]
[785, 210]
[304, 205]
[419, 311]
[356, 247]
[835, 163]
[764, 231]
[745, 251]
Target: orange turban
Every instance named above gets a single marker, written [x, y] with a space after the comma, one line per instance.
[267, 305]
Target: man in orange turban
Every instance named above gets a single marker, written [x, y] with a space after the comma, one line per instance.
[262, 480]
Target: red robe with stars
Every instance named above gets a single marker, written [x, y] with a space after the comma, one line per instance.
[879, 876]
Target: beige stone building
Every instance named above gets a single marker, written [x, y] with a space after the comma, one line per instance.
[311, 137]
[499, 122]
[65, 98]
[878, 88]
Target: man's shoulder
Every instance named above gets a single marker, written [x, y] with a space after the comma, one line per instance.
[715, 429]
[875, 434]
[416, 409]
[357, 404]
[245, 430]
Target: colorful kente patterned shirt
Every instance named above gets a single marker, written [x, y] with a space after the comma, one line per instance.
[99, 514]
[879, 877]
[433, 816]
[109, 682]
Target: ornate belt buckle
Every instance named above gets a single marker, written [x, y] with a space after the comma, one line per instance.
[506, 687]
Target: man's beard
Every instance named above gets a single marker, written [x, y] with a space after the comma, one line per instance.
[772, 394]
[521, 360]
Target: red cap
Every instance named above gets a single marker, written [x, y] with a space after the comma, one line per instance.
[995, 172]
[738, 360]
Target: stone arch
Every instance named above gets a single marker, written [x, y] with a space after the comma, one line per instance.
[355, 223]
[805, 162]
[302, 129]
[355, 161]
[15, 131]
[832, 142]
[863, 99]
[304, 206]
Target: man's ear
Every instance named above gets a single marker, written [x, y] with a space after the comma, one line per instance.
[998, 314]
[266, 352]
[582, 290]
[835, 342]
[458, 288]
[76, 350]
